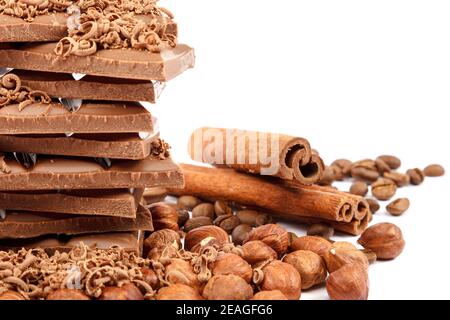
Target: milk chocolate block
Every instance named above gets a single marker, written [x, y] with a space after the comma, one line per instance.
[53, 173]
[63, 85]
[109, 145]
[114, 203]
[129, 241]
[92, 117]
[115, 63]
[43, 28]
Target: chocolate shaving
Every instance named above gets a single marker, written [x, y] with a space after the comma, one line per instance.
[160, 149]
[27, 160]
[3, 166]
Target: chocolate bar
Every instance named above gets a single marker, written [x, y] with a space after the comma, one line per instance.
[114, 203]
[115, 63]
[52, 173]
[110, 145]
[49, 27]
[53, 27]
[24, 225]
[63, 85]
[129, 241]
[93, 117]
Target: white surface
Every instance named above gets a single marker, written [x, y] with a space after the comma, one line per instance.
[357, 78]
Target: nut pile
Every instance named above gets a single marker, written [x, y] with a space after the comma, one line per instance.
[382, 177]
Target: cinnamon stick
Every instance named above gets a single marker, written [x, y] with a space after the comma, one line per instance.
[283, 156]
[298, 203]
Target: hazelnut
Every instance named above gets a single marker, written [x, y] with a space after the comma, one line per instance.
[227, 222]
[273, 235]
[337, 257]
[269, 295]
[240, 233]
[164, 216]
[370, 255]
[253, 218]
[197, 236]
[416, 176]
[344, 245]
[204, 210]
[317, 245]
[398, 207]
[126, 292]
[385, 239]
[180, 271]
[178, 292]
[284, 277]
[227, 287]
[384, 189]
[163, 238]
[188, 202]
[351, 282]
[67, 294]
[392, 161]
[150, 277]
[229, 263]
[163, 254]
[257, 251]
[434, 170]
[197, 222]
[310, 266]
[222, 208]
[292, 237]
[11, 295]
[320, 230]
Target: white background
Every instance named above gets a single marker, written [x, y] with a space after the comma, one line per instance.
[357, 78]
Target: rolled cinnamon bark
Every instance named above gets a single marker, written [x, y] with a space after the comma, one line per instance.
[286, 157]
[293, 203]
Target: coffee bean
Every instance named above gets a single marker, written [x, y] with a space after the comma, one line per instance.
[240, 233]
[253, 218]
[373, 205]
[384, 189]
[416, 176]
[320, 230]
[392, 161]
[227, 222]
[198, 222]
[359, 188]
[434, 170]
[343, 164]
[183, 216]
[360, 173]
[400, 179]
[188, 202]
[398, 207]
[222, 208]
[204, 210]
[382, 166]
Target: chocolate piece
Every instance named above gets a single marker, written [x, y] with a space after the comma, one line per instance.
[52, 27]
[52, 173]
[49, 27]
[110, 145]
[114, 203]
[64, 85]
[96, 117]
[129, 241]
[25, 225]
[116, 63]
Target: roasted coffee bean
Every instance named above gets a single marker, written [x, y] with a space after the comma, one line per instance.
[183, 217]
[253, 218]
[416, 176]
[434, 170]
[361, 173]
[328, 176]
[27, 160]
[188, 202]
[227, 222]
[240, 233]
[392, 161]
[382, 166]
[106, 163]
[222, 208]
[320, 230]
[373, 205]
[398, 207]
[198, 222]
[204, 210]
[359, 188]
[384, 189]
[345, 166]
[400, 179]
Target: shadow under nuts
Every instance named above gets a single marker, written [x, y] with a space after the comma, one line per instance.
[284, 277]
[227, 287]
[178, 292]
[317, 245]
[384, 189]
[351, 282]
[310, 266]
[257, 251]
[197, 236]
[385, 239]
[269, 295]
[398, 207]
[273, 235]
[229, 263]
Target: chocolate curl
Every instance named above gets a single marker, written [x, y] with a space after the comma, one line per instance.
[286, 157]
[300, 203]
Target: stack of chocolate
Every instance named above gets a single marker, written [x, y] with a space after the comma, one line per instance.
[76, 149]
